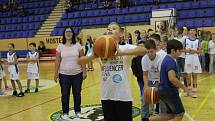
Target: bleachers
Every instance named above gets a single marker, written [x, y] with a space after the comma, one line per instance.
[13, 26]
[189, 13]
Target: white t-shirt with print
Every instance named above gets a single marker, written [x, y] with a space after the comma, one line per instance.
[115, 81]
[152, 66]
[162, 54]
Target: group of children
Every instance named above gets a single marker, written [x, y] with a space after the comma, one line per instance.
[32, 58]
[166, 75]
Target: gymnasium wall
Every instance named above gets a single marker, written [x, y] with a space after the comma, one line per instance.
[53, 41]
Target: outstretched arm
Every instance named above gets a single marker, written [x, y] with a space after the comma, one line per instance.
[136, 51]
[86, 59]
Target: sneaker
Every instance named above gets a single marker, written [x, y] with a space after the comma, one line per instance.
[27, 91]
[77, 115]
[15, 93]
[194, 92]
[21, 94]
[145, 119]
[36, 90]
[186, 94]
[65, 117]
[1, 93]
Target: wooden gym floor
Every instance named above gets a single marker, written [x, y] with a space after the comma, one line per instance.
[38, 106]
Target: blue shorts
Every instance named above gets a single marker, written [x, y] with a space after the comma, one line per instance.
[170, 103]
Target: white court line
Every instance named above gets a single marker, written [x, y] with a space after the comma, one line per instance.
[180, 94]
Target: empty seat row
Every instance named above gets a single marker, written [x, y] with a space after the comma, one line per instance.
[25, 1]
[59, 32]
[196, 23]
[40, 4]
[31, 26]
[20, 34]
[98, 21]
[196, 13]
[39, 11]
[15, 20]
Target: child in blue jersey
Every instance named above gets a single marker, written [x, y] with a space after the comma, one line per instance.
[13, 70]
[170, 102]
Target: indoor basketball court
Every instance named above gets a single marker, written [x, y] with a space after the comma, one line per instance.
[45, 22]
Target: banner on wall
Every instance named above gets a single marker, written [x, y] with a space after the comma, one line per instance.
[22, 43]
[50, 42]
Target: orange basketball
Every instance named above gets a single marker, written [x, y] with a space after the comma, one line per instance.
[151, 95]
[104, 47]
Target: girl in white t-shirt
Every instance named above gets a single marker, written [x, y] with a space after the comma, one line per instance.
[116, 97]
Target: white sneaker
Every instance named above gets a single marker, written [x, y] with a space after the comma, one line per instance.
[65, 116]
[1, 93]
[77, 115]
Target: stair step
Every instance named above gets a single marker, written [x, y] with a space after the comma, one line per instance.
[43, 33]
[47, 27]
[45, 30]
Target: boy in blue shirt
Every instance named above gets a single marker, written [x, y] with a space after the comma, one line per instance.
[170, 102]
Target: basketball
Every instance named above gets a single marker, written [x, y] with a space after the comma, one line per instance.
[151, 95]
[104, 47]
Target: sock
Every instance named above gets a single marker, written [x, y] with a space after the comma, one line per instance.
[194, 85]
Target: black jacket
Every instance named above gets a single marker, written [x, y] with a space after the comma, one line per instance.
[136, 67]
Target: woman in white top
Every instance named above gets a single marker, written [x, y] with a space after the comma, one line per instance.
[70, 73]
[116, 97]
[212, 54]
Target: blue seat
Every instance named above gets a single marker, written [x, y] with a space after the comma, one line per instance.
[94, 6]
[171, 6]
[200, 13]
[88, 6]
[84, 22]
[163, 6]
[77, 23]
[59, 24]
[83, 14]
[120, 19]
[98, 21]
[147, 8]
[178, 6]
[208, 23]
[124, 11]
[65, 23]
[209, 12]
[113, 19]
[70, 15]
[103, 12]
[186, 5]
[92, 21]
[76, 14]
[154, 7]
[90, 13]
[127, 19]
[212, 3]
[203, 4]
[132, 10]
[198, 23]
[71, 23]
[139, 9]
[111, 11]
[195, 4]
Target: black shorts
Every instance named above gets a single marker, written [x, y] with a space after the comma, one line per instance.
[170, 103]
